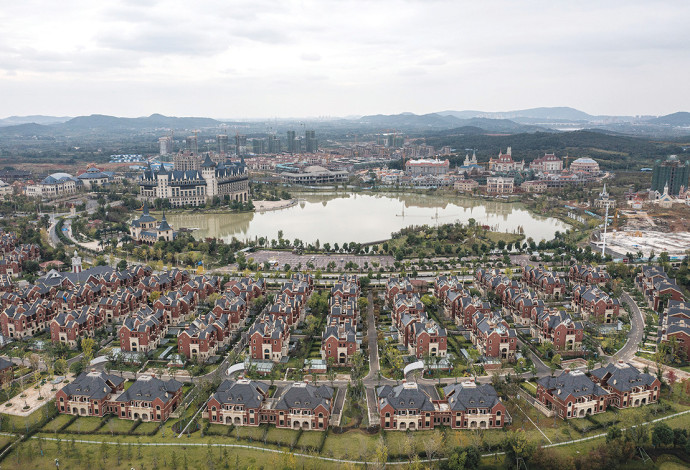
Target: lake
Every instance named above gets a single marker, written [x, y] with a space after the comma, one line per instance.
[365, 217]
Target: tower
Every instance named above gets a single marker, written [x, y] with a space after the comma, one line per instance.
[291, 141]
[312, 145]
[76, 262]
[222, 140]
[208, 172]
[192, 144]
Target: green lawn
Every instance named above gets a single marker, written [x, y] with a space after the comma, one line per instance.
[86, 423]
[249, 432]
[56, 423]
[116, 425]
[281, 437]
[401, 443]
[309, 440]
[145, 428]
[350, 445]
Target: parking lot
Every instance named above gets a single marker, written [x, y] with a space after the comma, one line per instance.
[278, 259]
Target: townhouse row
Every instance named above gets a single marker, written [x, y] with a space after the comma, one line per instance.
[575, 395]
[421, 335]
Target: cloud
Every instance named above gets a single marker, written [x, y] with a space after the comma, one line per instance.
[384, 56]
[310, 57]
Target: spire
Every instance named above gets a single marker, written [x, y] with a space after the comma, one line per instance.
[146, 207]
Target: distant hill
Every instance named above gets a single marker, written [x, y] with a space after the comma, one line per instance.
[434, 121]
[155, 121]
[29, 129]
[680, 119]
[36, 119]
[562, 113]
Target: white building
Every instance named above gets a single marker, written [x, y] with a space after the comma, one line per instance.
[57, 184]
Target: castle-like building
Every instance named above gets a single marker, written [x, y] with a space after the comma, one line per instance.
[193, 187]
[146, 229]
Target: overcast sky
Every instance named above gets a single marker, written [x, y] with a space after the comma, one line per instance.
[263, 58]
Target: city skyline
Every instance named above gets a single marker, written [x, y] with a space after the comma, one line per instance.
[291, 59]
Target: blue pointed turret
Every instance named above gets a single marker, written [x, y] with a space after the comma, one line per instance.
[164, 224]
[208, 163]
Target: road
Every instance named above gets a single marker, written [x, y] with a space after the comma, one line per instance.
[372, 341]
[636, 331]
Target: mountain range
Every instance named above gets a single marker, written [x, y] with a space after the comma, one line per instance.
[554, 119]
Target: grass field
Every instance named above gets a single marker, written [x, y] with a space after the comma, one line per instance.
[85, 424]
[309, 440]
[281, 437]
[56, 423]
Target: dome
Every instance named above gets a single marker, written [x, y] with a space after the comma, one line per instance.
[584, 160]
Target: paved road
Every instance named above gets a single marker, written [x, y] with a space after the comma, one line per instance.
[374, 366]
[636, 331]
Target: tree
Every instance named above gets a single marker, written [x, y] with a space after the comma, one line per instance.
[517, 447]
[672, 379]
[556, 359]
[330, 370]
[612, 434]
[87, 345]
[680, 437]
[76, 368]
[381, 454]
[60, 366]
[662, 434]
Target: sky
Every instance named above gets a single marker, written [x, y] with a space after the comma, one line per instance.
[263, 59]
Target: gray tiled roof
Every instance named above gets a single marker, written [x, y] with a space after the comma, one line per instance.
[148, 388]
[303, 395]
[407, 396]
[95, 385]
[468, 396]
[573, 383]
[244, 392]
[623, 377]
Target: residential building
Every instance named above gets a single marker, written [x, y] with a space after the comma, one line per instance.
[595, 305]
[473, 406]
[549, 163]
[465, 185]
[339, 343]
[655, 285]
[588, 275]
[143, 330]
[405, 407]
[534, 186]
[671, 173]
[315, 175]
[149, 399]
[94, 178]
[269, 339]
[572, 395]
[628, 387]
[301, 406]
[57, 184]
[545, 282]
[499, 185]
[558, 328]
[90, 394]
[426, 166]
[493, 337]
[238, 402]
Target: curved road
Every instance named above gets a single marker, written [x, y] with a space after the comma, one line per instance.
[636, 331]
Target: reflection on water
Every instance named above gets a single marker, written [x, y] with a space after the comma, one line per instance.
[347, 217]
